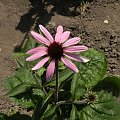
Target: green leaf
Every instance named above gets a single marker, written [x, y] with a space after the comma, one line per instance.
[28, 44]
[18, 54]
[21, 76]
[61, 66]
[20, 61]
[110, 84]
[50, 111]
[40, 109]
[24, 101]
[38, 92]
[40, 71]
[3, 116]
[79, 92]
[63, 75]
[20, 89]
[24, 75]
[74, 84]
[73, 113]
[106, 107]
[94, 70]
[47, 98]
[19, 86]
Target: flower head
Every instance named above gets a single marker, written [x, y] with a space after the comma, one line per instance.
[59, 48]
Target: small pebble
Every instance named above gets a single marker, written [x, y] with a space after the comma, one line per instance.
[106, 21]
[0, 50]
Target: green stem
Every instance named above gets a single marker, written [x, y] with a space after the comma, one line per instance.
[56, 87]
[72, 102]
[40, 86]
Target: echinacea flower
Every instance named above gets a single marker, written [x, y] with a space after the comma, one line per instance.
[59, 48]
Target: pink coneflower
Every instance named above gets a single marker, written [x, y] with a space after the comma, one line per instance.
[61, 48]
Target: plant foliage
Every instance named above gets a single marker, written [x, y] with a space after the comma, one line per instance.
[87, 95]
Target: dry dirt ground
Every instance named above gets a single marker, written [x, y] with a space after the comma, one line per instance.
[17, 17]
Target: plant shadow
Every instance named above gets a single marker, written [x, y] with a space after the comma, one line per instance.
[16, 116]
[110, 84]
[41, 12]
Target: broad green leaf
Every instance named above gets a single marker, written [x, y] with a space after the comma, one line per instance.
[106, 107]
[11, 82]
[110, 84]
[22, 87]
[94, 70]
[50, 111]
[38, 92]
[21, 76]
[24, 75]
[21, 82]
[73, 113]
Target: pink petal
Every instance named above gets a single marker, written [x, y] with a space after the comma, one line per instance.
[70, 65]
[37, 49]
[46, 33]
[59, 33]
[78, 48]
[40, 63]
[64, 36]
[36, 55]
[40, 38]
[71, 41]
[50, 70]
[74, 57]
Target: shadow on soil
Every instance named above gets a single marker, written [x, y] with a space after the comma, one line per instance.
[42, 11]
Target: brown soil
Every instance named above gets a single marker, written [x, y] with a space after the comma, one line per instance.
[18, 17]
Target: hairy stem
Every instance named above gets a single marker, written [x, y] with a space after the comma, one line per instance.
[72, 102]
[56, 87]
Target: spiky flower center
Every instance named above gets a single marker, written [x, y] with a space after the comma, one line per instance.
[55, 50]
[91, 97]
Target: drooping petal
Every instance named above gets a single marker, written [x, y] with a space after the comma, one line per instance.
[78, 48]
[70, 65]
[46, 33]
[40, 63]
[40, 38]
[64, 36]
[74, 57]
[36, 55]
[71, 41]
[59, 33]
[50, 70]
[37, 49]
